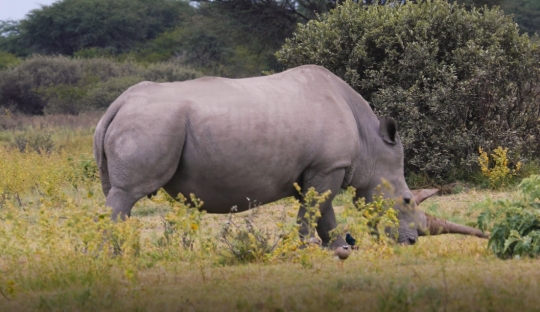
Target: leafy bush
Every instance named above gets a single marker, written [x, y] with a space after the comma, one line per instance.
[373, 224]
[499, 173]
[454, 79]
[21, 86]
[514, 224]
[64, 85]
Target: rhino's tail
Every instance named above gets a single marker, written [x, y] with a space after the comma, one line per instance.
[99, 148]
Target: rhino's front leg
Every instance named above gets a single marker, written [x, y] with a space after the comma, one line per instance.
[327, 223]
[322, 182]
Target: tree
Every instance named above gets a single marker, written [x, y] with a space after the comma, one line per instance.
[214, 43]
[271, 21]
[10, 38]
[71, 25]
[455, 79]
[525, 12]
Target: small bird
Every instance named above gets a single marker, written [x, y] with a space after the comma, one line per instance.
[341, 254]
[350, 240]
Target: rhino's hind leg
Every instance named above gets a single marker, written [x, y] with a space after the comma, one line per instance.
[322, 182]
[137, 177]
[121, 202]
[135, 180]
[138, 167]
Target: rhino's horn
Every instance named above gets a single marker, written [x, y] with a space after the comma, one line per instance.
[421, 195]
[436, 226]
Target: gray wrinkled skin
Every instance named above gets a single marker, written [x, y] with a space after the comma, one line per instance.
[226, 140]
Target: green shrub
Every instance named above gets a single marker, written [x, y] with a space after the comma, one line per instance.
[47, 84]
[496, 168]
[104, 93]
[94, 52]
[7, 60]
[31, 140]
[85, 170]
[243, 242]
[64, 99]
[514, 224]
[373, 224]
[167, 72]
[454, 79]
[20, 85]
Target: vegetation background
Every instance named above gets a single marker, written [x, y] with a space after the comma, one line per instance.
[63, 64]
[79, 55]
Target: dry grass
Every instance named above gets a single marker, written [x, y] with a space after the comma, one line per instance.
[85, 120]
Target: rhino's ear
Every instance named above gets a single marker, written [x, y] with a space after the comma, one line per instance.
[388, 129]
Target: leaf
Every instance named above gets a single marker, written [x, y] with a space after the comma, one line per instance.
[508, 243]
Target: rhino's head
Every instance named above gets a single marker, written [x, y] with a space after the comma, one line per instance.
[388, 166]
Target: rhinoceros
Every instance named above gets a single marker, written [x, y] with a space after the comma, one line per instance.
[226, 140]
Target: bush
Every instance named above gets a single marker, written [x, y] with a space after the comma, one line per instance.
[40, 142]
[374, 225]
[499, 173]
[514, 224]
[244, 243]
[455, 80]
[104, 93]
[167, 72]
[21, 86]
[46, 84]
[7, 60]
